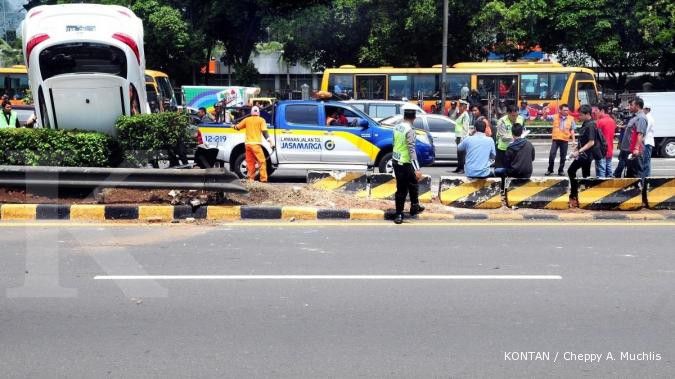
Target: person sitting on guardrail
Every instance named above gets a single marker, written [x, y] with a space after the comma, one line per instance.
[255, 128]
[584, 154]
[519, 156]
[479, 150]
[504, 136]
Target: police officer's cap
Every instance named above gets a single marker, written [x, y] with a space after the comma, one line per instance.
[409, 111]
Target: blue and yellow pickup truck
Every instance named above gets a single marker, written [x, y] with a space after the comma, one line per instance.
[304, 141]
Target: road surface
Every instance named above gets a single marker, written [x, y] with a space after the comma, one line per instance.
[338, 300]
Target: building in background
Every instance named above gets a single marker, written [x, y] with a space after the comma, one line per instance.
[11, 15]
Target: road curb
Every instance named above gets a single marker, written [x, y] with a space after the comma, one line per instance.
[231, 213]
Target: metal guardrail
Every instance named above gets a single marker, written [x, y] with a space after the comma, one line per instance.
[212, 179]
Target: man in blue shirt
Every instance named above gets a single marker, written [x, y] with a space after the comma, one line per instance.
[480, 150]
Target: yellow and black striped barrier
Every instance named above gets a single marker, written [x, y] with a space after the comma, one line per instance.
[660, 193]
[623, 194]
[383, 186]
[350, 181]
[538, 193]
[470, 193]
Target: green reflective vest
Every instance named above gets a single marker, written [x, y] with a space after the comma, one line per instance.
[462, 125]
[401, 152]
[501, 144]
[12, 120]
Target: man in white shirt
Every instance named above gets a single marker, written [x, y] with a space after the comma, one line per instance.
[649, 142]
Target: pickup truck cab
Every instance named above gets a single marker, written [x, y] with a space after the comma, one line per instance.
[304, 141]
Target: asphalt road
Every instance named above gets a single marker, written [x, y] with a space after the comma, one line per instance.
[609, 289]
[660, 167]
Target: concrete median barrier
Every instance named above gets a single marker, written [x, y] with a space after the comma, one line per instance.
[660, 193]
[383, 186]
[338, 181]
[470, 193]
[538, 193]
[610, 194]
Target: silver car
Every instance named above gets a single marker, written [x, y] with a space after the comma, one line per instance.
[441, 128]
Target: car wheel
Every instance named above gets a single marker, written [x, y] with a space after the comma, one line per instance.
[240, 168]
[386, 165]
[668, 149]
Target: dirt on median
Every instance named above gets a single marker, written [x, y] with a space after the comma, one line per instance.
[262, 194]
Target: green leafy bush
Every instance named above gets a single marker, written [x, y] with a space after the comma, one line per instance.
[49, 147]
[147, 137]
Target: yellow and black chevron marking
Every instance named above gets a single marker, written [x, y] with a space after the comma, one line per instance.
[660, 193]
[468, 193]
[610, 194]
[347, 181]
[539, 193]
[383, 186]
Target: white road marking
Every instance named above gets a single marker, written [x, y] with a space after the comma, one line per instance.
[327, 277]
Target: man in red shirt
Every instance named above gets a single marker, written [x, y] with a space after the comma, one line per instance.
[607, 126]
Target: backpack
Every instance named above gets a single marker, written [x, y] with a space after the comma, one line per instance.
[602, 142]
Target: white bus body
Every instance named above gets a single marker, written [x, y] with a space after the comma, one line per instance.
[85, 65]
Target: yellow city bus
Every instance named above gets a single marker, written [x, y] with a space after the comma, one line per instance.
[542, 84]
[14, 83]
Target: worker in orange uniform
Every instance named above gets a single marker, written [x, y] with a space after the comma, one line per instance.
[256, 127]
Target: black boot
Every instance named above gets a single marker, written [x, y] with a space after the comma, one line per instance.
[398, 218]
[416, 209]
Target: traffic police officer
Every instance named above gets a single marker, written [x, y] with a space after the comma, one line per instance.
[406, 166]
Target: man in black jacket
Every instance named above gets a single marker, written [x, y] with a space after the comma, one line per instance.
[519, 156]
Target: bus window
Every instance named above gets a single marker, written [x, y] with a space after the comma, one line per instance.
[455, 85]
[530, 85]
[370, 87]
[499, 86]
[399, 87]
[69, 58]
[586, 93]
[556, 85]
[425, 85]
[342, 84]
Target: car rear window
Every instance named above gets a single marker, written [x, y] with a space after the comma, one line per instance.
[82, 57]
[302, 114]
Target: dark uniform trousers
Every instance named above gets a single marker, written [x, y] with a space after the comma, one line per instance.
[406, 182]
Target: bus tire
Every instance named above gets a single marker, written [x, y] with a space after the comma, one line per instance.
[386, 164]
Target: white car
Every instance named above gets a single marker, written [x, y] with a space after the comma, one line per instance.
[441, 128]
[380, 109]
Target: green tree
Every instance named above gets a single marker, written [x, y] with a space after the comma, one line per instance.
[621, 36]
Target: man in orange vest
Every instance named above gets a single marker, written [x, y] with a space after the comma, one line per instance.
[561, 134]
[256, 127]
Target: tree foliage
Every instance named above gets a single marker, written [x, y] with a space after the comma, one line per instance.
[622, 36]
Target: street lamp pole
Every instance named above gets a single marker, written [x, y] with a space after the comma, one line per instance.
[444, 59]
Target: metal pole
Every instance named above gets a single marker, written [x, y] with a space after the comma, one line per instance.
[445, 55]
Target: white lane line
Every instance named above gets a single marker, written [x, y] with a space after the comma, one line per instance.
[327, 277]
